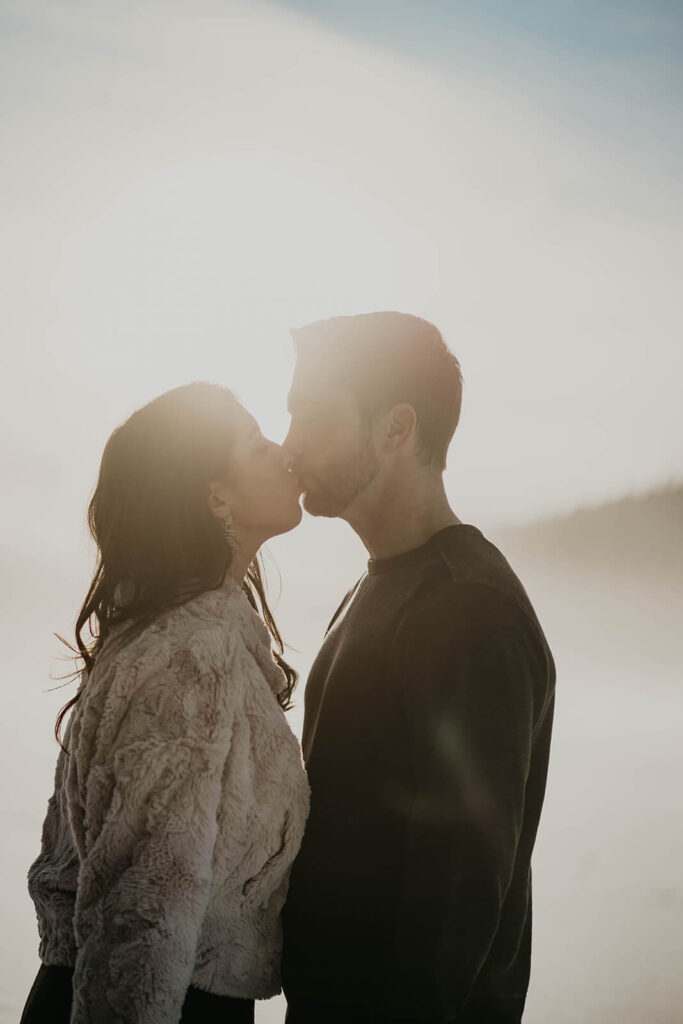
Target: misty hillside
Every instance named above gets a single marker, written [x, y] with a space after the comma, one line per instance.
[608, 580]
[639, 536]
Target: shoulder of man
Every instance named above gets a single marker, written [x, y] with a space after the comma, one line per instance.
[461, 605]
[476, 581]
[468, 636]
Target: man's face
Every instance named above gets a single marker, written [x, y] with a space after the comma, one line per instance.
[334, 457]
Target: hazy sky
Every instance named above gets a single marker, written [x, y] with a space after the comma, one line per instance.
[183, 181]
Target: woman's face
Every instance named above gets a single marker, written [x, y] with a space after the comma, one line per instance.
[262, 493]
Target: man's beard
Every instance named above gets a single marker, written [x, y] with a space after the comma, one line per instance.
[340, 484]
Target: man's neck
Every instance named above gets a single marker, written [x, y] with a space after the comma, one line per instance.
[402, 517]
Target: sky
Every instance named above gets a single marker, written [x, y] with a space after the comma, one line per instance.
[181, 182]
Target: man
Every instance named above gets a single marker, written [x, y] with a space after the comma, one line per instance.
[428, 710]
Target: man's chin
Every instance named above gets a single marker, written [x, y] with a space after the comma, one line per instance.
[321, 505]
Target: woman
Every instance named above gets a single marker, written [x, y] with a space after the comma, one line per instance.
[180, 795]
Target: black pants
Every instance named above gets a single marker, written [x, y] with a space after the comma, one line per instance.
[482, 1011]
[49, 1002]
[306, 1011]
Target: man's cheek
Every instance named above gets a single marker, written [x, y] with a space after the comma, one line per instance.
[319, 448]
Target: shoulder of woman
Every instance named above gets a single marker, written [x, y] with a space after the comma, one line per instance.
[175, 685]
[194, 643]
[207, 623]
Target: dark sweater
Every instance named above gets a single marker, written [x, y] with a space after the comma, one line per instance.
[428, 715]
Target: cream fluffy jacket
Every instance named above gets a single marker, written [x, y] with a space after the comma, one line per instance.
[168, 841]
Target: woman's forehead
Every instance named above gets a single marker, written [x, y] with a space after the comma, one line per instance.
[243, 421]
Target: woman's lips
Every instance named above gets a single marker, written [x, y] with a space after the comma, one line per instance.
[299, 487]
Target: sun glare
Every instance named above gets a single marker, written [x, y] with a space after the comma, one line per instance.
[198, 271]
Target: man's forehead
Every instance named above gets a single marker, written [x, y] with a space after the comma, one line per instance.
[313, 389]
[301, 397]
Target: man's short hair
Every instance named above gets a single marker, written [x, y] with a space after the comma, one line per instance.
[386, 358]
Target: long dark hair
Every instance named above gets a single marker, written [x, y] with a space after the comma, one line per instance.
[158, 543]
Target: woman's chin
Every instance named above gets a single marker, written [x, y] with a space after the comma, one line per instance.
[289, 521]
[297, 517]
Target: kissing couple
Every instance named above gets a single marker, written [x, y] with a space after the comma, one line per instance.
[194, 858]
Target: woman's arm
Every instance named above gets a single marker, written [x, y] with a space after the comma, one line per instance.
[144, 882]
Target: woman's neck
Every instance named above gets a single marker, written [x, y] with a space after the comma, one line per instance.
[243, 554]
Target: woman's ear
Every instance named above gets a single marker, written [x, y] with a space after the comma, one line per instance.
[398, 427]
[219, 499]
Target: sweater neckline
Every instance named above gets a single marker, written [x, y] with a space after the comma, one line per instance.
[415, 555]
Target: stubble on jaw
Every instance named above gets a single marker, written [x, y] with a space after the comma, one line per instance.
[342, 482]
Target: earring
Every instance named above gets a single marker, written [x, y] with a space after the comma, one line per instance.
[227, 523]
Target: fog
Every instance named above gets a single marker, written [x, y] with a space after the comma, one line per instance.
[607, 877]
[182, 183]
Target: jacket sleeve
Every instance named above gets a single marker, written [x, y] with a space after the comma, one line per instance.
[144, 880]
[474, 684]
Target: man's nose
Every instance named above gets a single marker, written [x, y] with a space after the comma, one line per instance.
[290, 443]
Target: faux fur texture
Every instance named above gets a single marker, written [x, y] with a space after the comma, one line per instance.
[175, 819]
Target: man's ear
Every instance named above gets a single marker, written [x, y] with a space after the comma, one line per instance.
[398, 427]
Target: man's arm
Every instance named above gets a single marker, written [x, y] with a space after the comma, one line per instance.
[474, 683]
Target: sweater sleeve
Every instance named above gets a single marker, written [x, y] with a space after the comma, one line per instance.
[474, 683]
[144, 881]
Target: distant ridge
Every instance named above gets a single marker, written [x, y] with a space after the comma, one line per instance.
[607, 582]
[638, 535]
